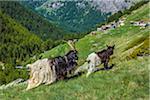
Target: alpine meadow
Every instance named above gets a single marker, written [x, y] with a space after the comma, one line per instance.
[64, 34]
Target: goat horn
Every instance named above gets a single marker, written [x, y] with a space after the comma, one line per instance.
[71, 44]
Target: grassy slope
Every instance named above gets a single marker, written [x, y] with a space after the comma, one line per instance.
[128, 80]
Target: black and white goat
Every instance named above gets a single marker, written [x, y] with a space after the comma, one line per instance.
[65, 64]
[96, 58]
[49, 70]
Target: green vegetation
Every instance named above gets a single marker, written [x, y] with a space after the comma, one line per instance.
[8, 73]
[17, 43]
[139, 50]
[116, 16]
[128, 80]
[73, 18]
[33, 3]
[24, 34]
[31, 20]
[35, 23]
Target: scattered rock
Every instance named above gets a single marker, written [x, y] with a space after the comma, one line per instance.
[112, 25]
[13, 83]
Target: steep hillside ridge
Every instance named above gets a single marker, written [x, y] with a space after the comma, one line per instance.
[120, 35]
[113, 6]
[73, 16]
[79, 15]
[31, 20]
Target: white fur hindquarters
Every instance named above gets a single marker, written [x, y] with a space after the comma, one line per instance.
[93, 59]
[90, 65]
[41, 72]
[82, 68]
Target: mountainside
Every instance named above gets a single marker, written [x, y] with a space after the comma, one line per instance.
[16, 43]
[25, 33]
[128, 80]
[31, 20]
[79, 15]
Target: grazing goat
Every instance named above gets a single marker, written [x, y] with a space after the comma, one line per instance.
[49, 70]
[104, 55]
[94, 59]
[65, 64]
[41, 71]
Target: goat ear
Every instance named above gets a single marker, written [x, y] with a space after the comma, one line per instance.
[113, 45]
[71, 44]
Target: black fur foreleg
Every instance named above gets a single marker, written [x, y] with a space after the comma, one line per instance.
[106, 65]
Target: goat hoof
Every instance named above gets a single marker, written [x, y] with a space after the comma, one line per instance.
[106, 68]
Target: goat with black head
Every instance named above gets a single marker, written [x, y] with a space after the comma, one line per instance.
[47, 71]
[65, 64]
[104, 55]
[94, 59]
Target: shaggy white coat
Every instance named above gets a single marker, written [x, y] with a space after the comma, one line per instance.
[41, 72]
[90, 65]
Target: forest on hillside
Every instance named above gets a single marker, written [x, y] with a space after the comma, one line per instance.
[24, 34]
[31, 20]
[73, 18]
[47, 34]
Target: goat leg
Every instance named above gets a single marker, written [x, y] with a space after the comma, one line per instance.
[52, 76]
[82, 68]
[106, 65]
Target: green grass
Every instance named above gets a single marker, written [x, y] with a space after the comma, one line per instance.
[128, 80]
